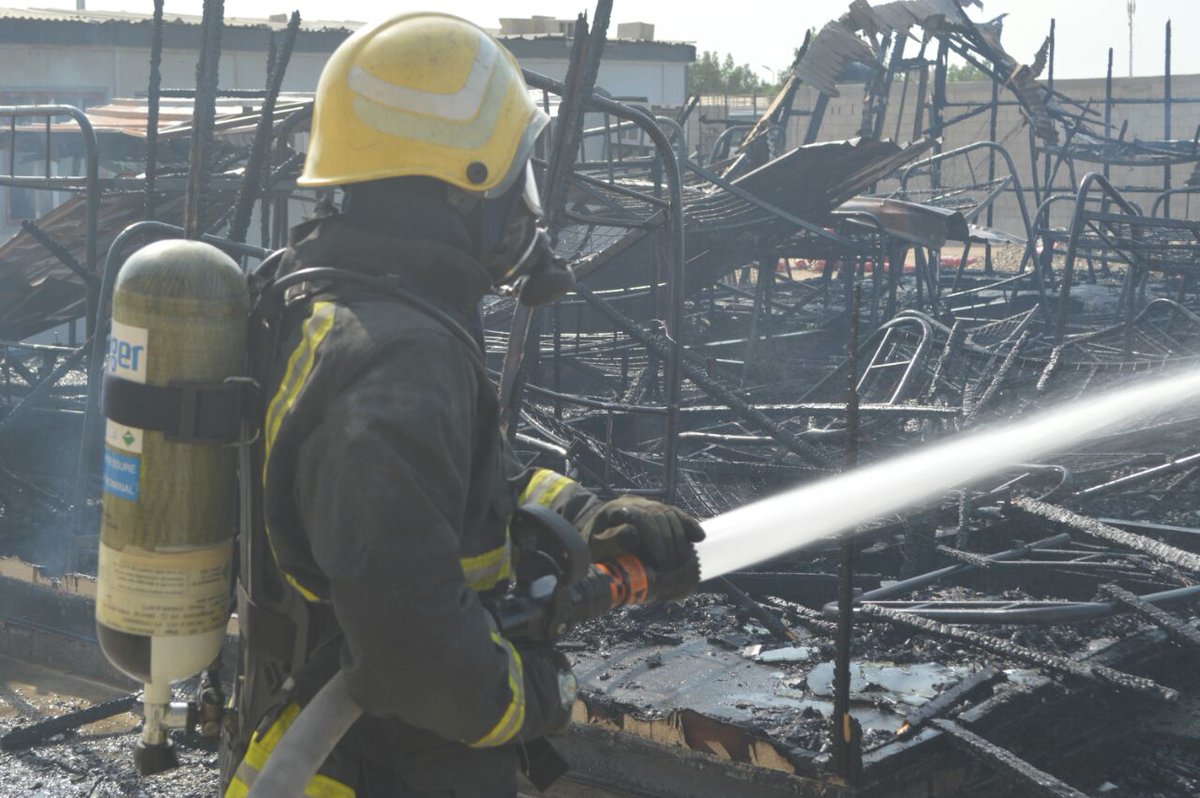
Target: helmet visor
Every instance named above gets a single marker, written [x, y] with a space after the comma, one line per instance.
[531, 196]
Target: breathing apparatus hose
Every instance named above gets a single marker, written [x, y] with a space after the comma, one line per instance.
[308, 742]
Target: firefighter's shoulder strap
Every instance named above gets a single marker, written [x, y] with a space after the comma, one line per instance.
[271, 297]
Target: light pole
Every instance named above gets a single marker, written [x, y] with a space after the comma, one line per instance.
[1131, 6]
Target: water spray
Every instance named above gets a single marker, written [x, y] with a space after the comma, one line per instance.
[770, 528]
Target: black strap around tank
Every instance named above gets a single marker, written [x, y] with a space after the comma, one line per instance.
[185, 411]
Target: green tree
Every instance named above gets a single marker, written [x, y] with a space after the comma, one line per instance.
[964, 72]
[711, 74]
[705, 75]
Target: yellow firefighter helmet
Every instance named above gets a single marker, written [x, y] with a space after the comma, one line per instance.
[422, 94]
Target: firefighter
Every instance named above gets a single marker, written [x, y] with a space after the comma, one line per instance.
[387, 484]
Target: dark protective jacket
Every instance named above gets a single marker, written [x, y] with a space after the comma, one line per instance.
[387, 492]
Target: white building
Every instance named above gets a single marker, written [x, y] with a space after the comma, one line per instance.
[89, 58]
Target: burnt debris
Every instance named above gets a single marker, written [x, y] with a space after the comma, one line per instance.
[753, 312]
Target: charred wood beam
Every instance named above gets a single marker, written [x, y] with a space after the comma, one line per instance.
[1006, 762]
[203, 117]
[1005, 648]
[257, 164]
[1176, 628]
[26, 736]
[768, 619]
[153, 93]
[806, 616]
[953, 341]
[59, 251]
[966, 557]
[972, 688]
[999, 379]
[1097, 529]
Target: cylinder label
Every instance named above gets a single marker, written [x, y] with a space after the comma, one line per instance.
[164, 593]
[122, 474]
[127, 351]
[119, 436]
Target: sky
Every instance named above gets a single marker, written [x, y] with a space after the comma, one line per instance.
[764, 33]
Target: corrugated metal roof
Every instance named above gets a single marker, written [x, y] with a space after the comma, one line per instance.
[277, 22]
[175, 116]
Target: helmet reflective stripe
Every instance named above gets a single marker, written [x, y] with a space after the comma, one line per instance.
[461, 106]
[428, 123]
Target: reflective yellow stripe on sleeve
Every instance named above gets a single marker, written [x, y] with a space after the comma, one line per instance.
[514, 716]
[544, 487]
[295, 377]
[485, 571]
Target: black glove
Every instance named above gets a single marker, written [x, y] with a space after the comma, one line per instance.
[550, 690]
[660, 535]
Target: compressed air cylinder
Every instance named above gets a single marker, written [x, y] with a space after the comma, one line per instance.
[166, 538]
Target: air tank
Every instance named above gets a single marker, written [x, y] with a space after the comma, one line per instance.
[169, 505]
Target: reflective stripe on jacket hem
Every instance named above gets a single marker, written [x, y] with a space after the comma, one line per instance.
[514, 715]
[261, 746]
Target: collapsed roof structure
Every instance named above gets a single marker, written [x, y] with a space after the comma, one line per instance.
[744, 324]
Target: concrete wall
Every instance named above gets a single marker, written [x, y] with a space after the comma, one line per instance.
[658, 83]
[84, 75]
[125, 72]
[844, 115]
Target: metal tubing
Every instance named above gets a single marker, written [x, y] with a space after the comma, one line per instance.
[680, 135]
[846, 754]
[1076, 228]
[91, 180]
[697, 372]
[62, 253]
[675, 256]
[993, 149]
[905, 586]
[1167, 109]
[1044, 613]
[563, 141]
[1178, 464]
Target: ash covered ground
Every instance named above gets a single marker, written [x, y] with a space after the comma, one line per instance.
[96, 761]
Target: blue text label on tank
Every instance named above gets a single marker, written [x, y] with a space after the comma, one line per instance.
[122, 475]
